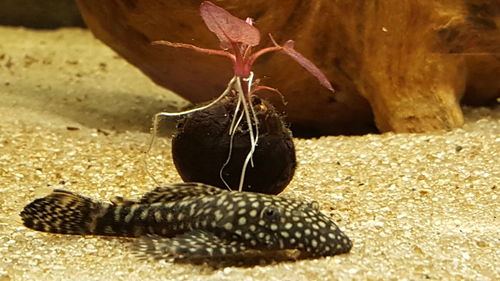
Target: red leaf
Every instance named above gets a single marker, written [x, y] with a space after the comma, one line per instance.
[228, 28]
[307, 64]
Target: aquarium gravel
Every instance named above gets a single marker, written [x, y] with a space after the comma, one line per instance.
[416, 206]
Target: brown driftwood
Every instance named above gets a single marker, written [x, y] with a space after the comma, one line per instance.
[395, 62]
[476, 37]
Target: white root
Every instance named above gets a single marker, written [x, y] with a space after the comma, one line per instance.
[254, 115]
[156, 121]
[232, 131]
[243, 108]
[253, 140]
[234, 124]
[173, 114]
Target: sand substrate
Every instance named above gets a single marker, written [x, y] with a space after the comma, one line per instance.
[75, 116]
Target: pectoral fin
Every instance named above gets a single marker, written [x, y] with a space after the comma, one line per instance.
[193, 244]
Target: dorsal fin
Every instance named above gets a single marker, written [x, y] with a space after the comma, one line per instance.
[179, 191]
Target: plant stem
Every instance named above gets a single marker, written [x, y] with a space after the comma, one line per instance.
[196, 48]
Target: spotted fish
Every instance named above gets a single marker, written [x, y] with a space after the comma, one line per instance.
[193, 220]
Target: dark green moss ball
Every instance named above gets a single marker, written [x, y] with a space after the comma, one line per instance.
[201, 146]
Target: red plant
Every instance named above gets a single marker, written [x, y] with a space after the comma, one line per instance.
[237, 40]
[238, 37]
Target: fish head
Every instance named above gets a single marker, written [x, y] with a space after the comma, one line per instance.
[301, 225]
[274, 223]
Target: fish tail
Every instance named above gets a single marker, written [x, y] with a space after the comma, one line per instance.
[63, 212]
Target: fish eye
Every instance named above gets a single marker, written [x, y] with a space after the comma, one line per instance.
[270, 212]
[314, 205]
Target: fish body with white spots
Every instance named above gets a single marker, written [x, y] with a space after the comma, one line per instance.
[193, 220]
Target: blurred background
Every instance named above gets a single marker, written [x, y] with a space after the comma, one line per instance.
[39, 63]
[40, 14]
